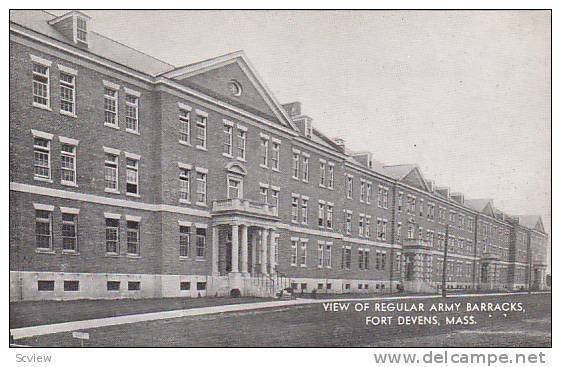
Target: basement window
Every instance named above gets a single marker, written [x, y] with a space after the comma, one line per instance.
[45, 285]
[71, 286]
[134, 286]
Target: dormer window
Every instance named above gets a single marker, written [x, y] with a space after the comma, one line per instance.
[81, 30]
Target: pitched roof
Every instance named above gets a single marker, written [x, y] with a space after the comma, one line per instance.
[529, 221]
[398, 171]
[477, 204]
[38, 21]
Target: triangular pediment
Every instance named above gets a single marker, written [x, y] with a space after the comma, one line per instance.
[232, 79]
[416, 179]
[539, 225]
[489, 209]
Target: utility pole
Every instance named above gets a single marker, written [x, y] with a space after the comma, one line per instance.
[530, 272]
[445, 262]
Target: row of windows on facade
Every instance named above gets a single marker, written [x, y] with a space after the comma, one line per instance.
[299, 255]
[300, 160]
[112, 285]
[44, 236]
[344, 286]
[68, 88]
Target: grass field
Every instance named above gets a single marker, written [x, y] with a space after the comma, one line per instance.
[311, 326]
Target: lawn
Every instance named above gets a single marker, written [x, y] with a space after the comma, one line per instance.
[32, 313]
[311, 326]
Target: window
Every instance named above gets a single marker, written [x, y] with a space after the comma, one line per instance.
[111, 172]
[421, 207]
[362, 197]
[185, 126]
[346, 258]
[112, 235]
[329, 220]
[348, 222]
[361, 225]
[330, 175]
[295, 165]
[275, 198]
[43, 229]
[381, 229]
[184, 185]
[132, 176]
[71, 286]
[321, 214]
[327, 258]
[349, 186]
[81, 30]
[68, 164]
[201, 286]
[201, 188]
[201, 132]
[133, 286]
[303, 252]
[241, 144]
[305, 169]
[184, 241]
[363, 259]
[42, 158]
[131, 116]
[133, 237]
[368, 192]
[45, 285]
[367, 227]
[68, 232]
[113, 285]
[41, 85]
[398, 233]
[383, 197]
[304, 207]
[275, 159]
[320, 254]
[201, 243]
[264, 193]
[234, 188]
[184, 286]
[228, 140]
[378, 265]
[294, 210]
[294, 252]
[264, 152]
[400, 201]
[322, 177]
[67, 93]
[110, 103]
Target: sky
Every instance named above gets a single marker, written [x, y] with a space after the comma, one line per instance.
[463, 94]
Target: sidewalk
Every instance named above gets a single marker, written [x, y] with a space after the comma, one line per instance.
[128, 319]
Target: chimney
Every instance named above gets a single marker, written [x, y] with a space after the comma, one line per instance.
[74, 25]
[340, 142]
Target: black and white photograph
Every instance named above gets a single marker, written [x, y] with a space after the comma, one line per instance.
[280, 178]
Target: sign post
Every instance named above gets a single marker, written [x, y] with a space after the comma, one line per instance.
[82, 336]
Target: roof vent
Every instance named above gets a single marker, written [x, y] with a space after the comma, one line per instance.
[293, 109]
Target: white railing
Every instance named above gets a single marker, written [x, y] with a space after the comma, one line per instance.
[244, 205]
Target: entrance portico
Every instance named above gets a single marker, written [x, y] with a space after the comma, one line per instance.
[244, 237]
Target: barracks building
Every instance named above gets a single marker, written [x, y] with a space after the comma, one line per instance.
[131, 177]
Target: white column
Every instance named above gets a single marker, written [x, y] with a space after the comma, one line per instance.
[253, 252]
[264, 234]
[215, 250]
[244, 249]
[235, 248]
[271, 251]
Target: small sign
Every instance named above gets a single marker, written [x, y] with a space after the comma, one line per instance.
[81, 335]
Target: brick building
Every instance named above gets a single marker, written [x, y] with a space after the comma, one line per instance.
[130, 177]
